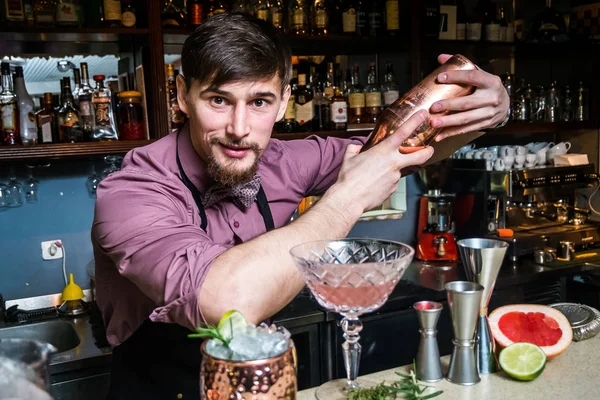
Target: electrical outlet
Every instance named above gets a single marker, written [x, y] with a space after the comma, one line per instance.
[50, 251]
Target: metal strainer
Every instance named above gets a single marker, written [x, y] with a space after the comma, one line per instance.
[584, 320]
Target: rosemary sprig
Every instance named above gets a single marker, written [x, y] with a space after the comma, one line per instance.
[210, 332]
[408, 387]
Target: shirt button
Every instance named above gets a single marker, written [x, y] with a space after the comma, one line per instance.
[236, 224]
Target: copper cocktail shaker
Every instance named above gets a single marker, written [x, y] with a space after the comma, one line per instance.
[420, 97]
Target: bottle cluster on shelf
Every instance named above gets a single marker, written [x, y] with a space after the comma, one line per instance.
[71, 13]
[328, 100]
[80, 114]
[549, 103]
[299, 17]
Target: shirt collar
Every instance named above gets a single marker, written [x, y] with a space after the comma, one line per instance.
[193, 166]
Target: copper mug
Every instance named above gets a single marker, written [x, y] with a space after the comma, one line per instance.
[422, 97]
[269, 378]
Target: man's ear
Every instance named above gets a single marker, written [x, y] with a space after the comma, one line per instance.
[182, 95]
[284, 101]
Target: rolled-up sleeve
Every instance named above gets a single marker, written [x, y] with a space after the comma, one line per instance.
[143, 224]
[319, 176]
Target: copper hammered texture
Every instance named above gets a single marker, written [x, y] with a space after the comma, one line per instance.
[271, 378]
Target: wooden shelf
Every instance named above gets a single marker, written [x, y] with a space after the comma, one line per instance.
[67, 150]
[323, 134]
[312, 45]
[71, 34]
[543, 127]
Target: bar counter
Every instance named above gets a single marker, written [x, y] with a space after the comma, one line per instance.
[572, 375]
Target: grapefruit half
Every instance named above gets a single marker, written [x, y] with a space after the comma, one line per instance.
[543, 326]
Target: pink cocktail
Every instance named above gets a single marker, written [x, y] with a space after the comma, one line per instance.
[351, 277]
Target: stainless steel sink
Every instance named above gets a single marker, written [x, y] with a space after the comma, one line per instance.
[60, 334]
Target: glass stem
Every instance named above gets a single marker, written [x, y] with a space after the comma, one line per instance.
[351, 326]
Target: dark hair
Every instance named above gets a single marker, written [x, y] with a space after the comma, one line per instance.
[232, 47]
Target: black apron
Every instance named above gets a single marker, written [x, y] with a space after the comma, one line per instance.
[158, 361]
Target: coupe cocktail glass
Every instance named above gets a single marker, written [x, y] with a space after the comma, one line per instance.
[351, 277]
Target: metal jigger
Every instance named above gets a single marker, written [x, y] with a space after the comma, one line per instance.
[429, 368]
[464, 299]
[482, 259]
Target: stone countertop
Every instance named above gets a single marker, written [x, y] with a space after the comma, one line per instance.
[572, 375]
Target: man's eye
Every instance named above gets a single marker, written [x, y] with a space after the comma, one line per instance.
[218, 101]
[261, 103]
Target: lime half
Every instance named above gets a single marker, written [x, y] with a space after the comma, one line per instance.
[232, 321]
[523, 361]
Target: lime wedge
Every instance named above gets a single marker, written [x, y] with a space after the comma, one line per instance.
[231, 322]
[523, 361]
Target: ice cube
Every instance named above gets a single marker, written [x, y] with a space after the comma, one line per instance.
[246, 346]
[217, 350]
[279, 348]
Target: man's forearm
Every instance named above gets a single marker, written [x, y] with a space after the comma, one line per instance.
[259, 277]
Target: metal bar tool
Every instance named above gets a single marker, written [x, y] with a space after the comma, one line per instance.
[429, 368]
[464, 299]
[482, 259]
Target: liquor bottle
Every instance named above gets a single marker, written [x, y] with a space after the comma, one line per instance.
[375, 18]
[461, 21]
[85, 87]
[240, 6]
[112, 13]
[548, 26]
[172, 16]
[328, 86]
[47, 120]
[93, 13]
[491, 25]
[276, 12]
[176, 116]
[104, 122]
[195, 13]
[390, 88]
[27, 127]
[372, 96]
[128, 14]
[68, 13]
[510, 29]
[431, 18]
[392, 18]
[13, 12]
[567, 102]
[28, 11]
[356, 99]
[475, 23]
[289, 124]
[361, 18]
[44, 12]
[339, 107]
[215, 7]
[262, 10]
[298, 17]
[69, 124]
[9, 110]
[347, 84]
[503, 25]
[322, 109]
[76, 86]
[320, 17]
[349, 17]
[304, 105]
[86, 110]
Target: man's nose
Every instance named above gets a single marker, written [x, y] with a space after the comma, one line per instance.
[239, 126]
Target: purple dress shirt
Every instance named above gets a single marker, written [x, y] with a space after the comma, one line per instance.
[150, 253]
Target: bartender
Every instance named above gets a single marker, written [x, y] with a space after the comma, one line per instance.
[195, 224]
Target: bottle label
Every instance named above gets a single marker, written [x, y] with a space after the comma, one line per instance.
[263, 14]
[66, 12]
[375, 20]
[392, 15]
[290, 109]
[277, 19]
[510, 33]
[85, 109]
[492, 32]
[304, 112]
[14, 9]
[47, 132]
[339, 112]
[28, 127]
[298, 19]
[128, 19]
[101, 111]
[461, 31]
[357, 100]
[9, 116]
[112, 10]
[349, 20]
[373, 99]
[321, 19]
[390, 96]
[195, 14]
[474, 31]
[328, 91]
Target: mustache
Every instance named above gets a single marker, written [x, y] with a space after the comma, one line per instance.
[235, 144]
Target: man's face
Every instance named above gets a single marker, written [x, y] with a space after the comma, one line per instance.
[231, 125]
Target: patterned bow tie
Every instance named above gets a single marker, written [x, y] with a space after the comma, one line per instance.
[243, 194]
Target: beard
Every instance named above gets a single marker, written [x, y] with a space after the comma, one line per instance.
[229, 175]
